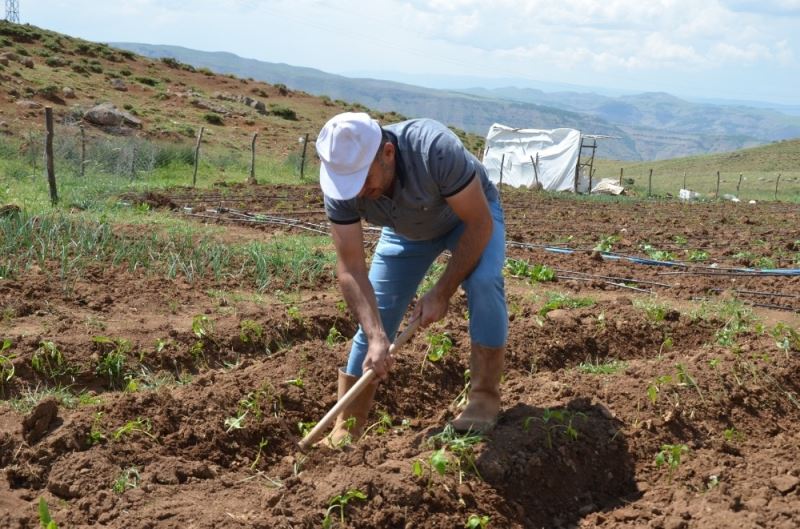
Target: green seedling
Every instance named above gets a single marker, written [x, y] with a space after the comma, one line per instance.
[235, 423]
[128, 479]
[203, 329]
[606, 243]
[297, 382]
[524, 270]
[476, 521]
[96, 434]
[697, 256]
[44, 515]
[439, 345]
[140, 425]
[250, 331]
[341, 306]
[658, 255]
[294, 313]
[50, 362]
[732, 435]
[334, 337]
[339, 503]
[461, 445]
[563, 301]
[382, 425]
[684, 379]
[261, 445]
[607, 367]
[305, 427]
[6, 365]
[786, 338]
[556, 421]
[680, 240]
[112, 360]
[437, 462]
[671, 456]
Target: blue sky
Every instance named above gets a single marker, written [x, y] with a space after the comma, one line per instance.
[716, 49]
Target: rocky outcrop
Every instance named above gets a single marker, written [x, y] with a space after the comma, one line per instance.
[107, 115]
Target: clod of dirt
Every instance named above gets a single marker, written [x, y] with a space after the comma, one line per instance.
[37, 422]
[785, 484]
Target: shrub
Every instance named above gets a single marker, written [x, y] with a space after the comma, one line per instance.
[214, 119]
[149, 81]
[171, 62]
[283, 112]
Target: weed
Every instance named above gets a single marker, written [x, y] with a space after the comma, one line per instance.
[213, 119]
[382, 425]
[261, 445]
[96, 434]
[44, 515]
[732, 435]
[6, 365]
[684, 379]
[655, 312]
[334, 337]
[340, 502]
[461, 445]
[294, 313]
[112, 360]
[235, 423]
[607, 367]
[658, 255]
[140, 425]
[250, 331]
[476, 521]
[786, 338]
[563, 301]
[697, 256]
[128, 479]
[298, 380]
[50, 362]
[671, 456]
[680, 240]
[305, 427]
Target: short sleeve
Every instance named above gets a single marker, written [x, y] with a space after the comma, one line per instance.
[341, 211]
[450, 164]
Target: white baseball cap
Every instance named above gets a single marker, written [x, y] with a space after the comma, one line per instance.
[346, 145]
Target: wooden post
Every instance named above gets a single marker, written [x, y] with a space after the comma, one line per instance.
[592, 170]
[303, 157]
[83, 152]
[776, 186]
[650, 183]
[197, 155]
[252, 179]
[716, 194]
[738, 185]
[48, 152]
[133, 162]
[620, 175]
[684, 179]
[500, 183]
[536, 169]
[577, 171]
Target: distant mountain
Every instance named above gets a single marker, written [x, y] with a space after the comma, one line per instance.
[644, 126]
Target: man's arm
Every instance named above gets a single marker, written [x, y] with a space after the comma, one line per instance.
[471, 207]
[351, 270]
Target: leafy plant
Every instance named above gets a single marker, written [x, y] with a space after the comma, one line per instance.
[671, 456]
[658, 255]
[477, 521]
[128, 479]
[606, 243]
[439, 344]
[6, 365]
[49, 361]
[340, 502]
[334, 337]
[462, 445]
[250, 331]
[697, 256]
[437, 462]
[96, 434]
[112, 360]
[305, 427]
[534, 273]
[556, 421]
[44, 515]
[563, 301]
[140, 425]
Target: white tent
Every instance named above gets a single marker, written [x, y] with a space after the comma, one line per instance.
[528, 155]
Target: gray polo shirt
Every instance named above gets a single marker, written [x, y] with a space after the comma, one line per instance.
[431, 165]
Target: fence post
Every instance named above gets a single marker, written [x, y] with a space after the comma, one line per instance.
[620, 175]
[83, 151]
[684, 179]
[716, 194]
[133, 162]
[738, 185]
[48, 152]
[536, 169]
[303, 157]
[252, 179]
[776, 186]
[650, 183]
[197, 155]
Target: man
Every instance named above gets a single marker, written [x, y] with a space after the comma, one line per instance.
[429, 193]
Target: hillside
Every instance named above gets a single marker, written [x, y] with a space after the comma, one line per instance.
[648, 126]
[172, 100]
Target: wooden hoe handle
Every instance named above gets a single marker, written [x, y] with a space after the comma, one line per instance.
[354, 391]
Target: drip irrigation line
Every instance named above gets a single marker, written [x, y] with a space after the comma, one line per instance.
[256, 221]
[620, 285]
[612, 278]
[756, 293]
[754, 304]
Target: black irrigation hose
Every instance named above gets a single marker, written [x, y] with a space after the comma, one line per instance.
[756, 293]
[620, 285]
[762, 305]
[613, 278]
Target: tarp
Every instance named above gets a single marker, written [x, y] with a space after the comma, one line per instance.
[558, 151]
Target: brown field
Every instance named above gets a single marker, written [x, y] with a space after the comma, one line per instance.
[701, 364]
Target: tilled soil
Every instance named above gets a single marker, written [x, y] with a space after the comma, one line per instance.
[203, 430]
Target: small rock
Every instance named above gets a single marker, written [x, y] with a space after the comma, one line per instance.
[785, 484]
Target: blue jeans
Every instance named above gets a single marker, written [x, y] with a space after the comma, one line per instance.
[399, 265]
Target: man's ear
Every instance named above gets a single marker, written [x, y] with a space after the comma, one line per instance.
[388, 150]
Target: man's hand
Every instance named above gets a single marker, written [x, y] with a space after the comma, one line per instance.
[431, 307]
[378, 358]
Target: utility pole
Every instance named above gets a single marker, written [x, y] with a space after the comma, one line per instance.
[12, 11]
